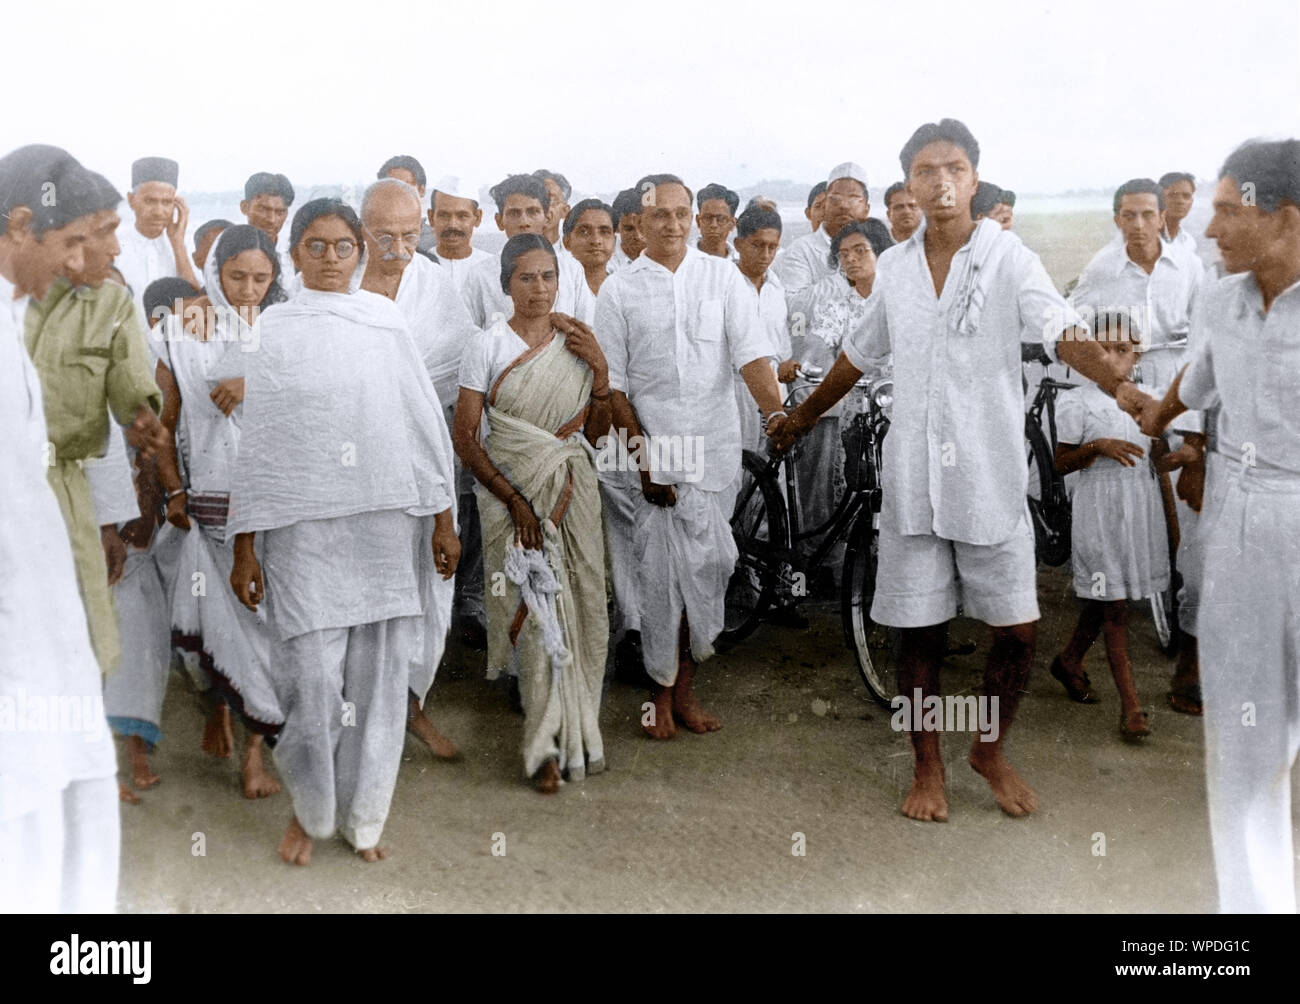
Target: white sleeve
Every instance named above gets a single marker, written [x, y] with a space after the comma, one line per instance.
[611, 331]
[476, 363]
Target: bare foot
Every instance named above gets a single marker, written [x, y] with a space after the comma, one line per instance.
[126, 794]
[927, 801]
[661, 724]
[688, 711]
[295, 847]
[218, 733]
[424, 730]
[547, 778]
[258, 781]
[371, 854]
[142, 775]
[1012, 792]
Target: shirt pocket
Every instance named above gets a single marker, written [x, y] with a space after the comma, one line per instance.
[704, 356]
[82, 382]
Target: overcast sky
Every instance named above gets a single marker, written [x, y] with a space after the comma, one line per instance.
[1060, 96]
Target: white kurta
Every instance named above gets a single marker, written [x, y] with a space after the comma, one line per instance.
[143, 259]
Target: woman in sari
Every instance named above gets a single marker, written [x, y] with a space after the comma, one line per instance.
[546, 394]
[203, 410]
[345, 478]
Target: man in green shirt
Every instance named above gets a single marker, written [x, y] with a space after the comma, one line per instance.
[88, 346]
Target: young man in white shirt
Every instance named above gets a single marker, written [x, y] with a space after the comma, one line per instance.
[675, 325]
[953, 304]
[903, 212]
[1179, 189]
[454, 214]
[154, 247]
[1246, 363]
[627, 222]
[716, 219]
[266, 202]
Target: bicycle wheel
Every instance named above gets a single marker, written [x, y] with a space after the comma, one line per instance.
[874, 646]
[762, 535]
[1049, 505]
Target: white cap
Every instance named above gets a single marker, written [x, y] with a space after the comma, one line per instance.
[458, 187]
[847, 170]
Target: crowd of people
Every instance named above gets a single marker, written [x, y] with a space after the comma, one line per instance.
[293, 466]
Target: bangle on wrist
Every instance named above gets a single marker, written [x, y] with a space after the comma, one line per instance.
[779, 413]
[172, 495]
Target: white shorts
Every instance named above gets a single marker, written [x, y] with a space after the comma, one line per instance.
[921, 579]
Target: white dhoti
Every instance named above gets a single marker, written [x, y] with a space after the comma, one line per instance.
[1250, 681]
[62, 857]
[618, 510]
[133, 696]
[685, 555]
[343, 693]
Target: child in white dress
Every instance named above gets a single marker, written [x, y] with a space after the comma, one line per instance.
[1120, 548]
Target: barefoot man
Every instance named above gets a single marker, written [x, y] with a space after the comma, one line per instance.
[391, 211]
[953, 304]
[675, 325]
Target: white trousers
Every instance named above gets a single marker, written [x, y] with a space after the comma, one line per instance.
[1249, 633]
[63, 856]
[343, 694]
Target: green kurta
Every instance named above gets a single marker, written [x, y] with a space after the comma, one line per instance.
[88, 345]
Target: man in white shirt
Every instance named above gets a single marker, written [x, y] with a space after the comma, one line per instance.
[1179, 190]
[815, 210]
[953, 304]
[266, 202]
[804, 267]
[154, 248]
[1246, 363]
[627, 222]
[523, 206]
[59, 825]
[560, 191]
[902, 210]
[454, 214]
[675, 325]
[716, 219]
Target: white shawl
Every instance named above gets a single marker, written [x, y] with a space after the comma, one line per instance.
[439, 322]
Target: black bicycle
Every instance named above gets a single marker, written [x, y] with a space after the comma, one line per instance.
[770, 574]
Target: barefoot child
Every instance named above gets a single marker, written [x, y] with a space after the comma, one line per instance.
[1120, 549]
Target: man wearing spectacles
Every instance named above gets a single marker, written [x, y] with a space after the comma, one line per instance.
[425, 292]
[805, 268]
[716, 219]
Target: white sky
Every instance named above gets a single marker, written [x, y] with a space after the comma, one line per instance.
[1060, 95]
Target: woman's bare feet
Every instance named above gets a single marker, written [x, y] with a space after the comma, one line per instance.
[547, 778]
[686, 706]
[218, 733]
[126, 795]
[258, 781]
[927, 801]
[295, 847]
[1012, 792]
[424, 730]
[142, 775]
[372, 854]
[661, 724]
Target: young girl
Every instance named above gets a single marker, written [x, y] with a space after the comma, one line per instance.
[1120, 549]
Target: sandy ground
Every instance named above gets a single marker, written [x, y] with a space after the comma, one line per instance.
[709, 823]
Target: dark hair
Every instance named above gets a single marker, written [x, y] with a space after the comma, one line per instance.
[893, 190]
[716, 191]
[1115, 324]
[318, 208]
[520, 184]
[518, 246]
[987, 195]
[543, 175]
[1140, 186]
[760, 214]
[405, 163]
[813, 192]
[207, 228]
[165, 292]
[1174, 177]
[265, 183]
[30, 173]
[946, 131]
[571, 220]
[626, 203]
[93, 192]
[1272, 167]
[242, 237]
[654, 181]
[1008, 197]
[876, 233]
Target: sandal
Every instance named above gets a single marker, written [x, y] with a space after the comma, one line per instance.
[1132, 734]
[1186, 700]
[1078, 687]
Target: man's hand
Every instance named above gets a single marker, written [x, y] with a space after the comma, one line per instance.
[246, 576]
[114, 552]
[146, 433]
[138, 532]
[176, 514]
[180, 219]
[1191, 483]
[788, 371]
[664, 496]
[228, 394]
[1122, 450]
[446, 545]
[782, 431]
